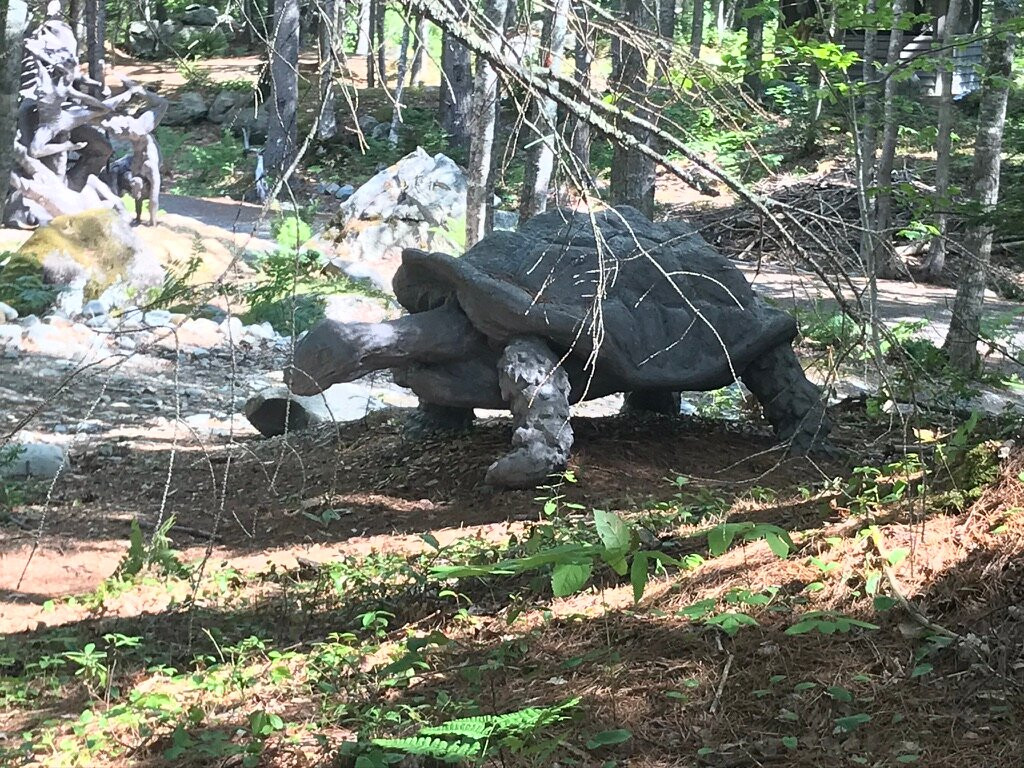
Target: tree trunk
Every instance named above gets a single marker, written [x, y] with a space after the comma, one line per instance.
[755, 50]
[76, 19]
[697, 29]
[419, 46]
[371, 50]
[540, 161]
[583, 60]
[363, 27]
[936, 261]
[382, 43]
[403, 63]
[965, 324]
[95, 31]
[720, 13]
[885, 260]
[480, 188]
[13, 20]
[456, 85]
[632, 176]
[282, 130]
[329, 30]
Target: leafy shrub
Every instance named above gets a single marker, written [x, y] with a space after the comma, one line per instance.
[22, 286]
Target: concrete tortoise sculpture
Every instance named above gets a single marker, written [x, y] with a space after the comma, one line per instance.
[573, 306]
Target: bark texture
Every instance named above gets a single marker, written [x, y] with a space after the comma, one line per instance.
[965, 324]
[95, 27]
[282, 129]
[13, 20]
[328, 33]
[943, 140]
[456, 84]
[540, 162]
[480, 181]
[632, 176]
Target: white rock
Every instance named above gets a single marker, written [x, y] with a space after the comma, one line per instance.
[7, 313]
[95, 308]
[157, 318]
[232, 328]
[10, 335]
[41, 460]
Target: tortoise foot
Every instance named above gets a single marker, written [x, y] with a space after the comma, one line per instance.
[430, 419]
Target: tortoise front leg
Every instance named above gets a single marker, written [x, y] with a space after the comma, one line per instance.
[536, 389]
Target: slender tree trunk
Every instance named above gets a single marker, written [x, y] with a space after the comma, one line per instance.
[720, 14]
[329, 31]
[540, 162]
[371, 54]
[885, 261]
[480, 192]
[363, 27]
[583, 60]
[95, 24]
[943, 140]
[13, 21]
[632, 176]
[419, 46]
[76, 19]
[866, 146]
[697, 29]
[965, 324]
[456, 85]
[403, 63]
[382, 43]
[754, 51]
[282, 130]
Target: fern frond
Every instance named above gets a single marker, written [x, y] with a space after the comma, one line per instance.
[439, 749]
[511, 723]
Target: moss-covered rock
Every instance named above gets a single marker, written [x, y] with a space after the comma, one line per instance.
[22, 285]
[94, 250]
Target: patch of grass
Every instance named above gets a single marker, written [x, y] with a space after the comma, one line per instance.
[202, 169]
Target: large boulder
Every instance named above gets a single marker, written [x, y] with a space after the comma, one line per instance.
[190, 108]
[419, 202]
[248, 118]
[95, 254]
[224, 102]
[200, 15]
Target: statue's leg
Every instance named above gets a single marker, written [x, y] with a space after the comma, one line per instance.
[790, 402]
[432, 419]
[537, 391]
[652, 401]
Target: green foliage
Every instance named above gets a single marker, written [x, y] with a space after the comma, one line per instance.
[22, 286]
[289, 293]
[202, 169]
[721, 537]
[157, 554]
[827, 623]
[473, 738]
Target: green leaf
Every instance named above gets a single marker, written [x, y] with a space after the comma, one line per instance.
[839, 693]
[719, 539]
[897, 556]
[778, 545]
[789, 742]
[608, 738]
[883, 603]
[852, 722]
[638, 575]
[907, 759]
[922, 669]
[615, 534]
[616, 562]
[569, 578]
[431, 539]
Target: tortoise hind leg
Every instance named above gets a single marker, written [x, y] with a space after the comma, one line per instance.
[537, 391]
[661, 401]
[790, 402]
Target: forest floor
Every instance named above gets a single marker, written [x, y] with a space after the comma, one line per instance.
[299, 608]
